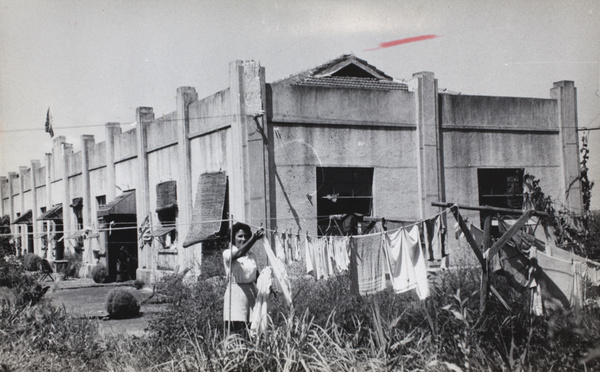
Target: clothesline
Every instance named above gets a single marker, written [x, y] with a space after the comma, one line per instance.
[154, 226]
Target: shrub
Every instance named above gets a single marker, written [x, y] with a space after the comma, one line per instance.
[139, 284]
[26, 289]
[31, 262]
[121, 304]
[74, 264]
[195, 309]
[99, 274]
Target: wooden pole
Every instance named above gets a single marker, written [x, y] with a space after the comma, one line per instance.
[485, 277]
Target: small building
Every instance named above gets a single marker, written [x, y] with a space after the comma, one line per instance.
[343, 137]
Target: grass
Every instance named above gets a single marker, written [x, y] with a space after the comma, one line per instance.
[327, 330]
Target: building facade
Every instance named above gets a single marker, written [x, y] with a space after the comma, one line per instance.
[343, 137]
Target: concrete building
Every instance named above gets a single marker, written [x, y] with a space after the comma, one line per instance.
[341, 137]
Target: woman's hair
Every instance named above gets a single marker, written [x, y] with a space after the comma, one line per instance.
[240, 226]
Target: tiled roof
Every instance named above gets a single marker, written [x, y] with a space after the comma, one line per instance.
[346, 71]
[351, 82]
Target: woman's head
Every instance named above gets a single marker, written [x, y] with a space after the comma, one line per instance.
[240, 233]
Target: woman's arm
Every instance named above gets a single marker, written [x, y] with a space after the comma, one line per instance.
[241, 252]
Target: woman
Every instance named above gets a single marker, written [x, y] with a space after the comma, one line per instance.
[241, 291]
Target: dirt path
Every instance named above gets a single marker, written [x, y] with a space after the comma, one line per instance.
[90, 302]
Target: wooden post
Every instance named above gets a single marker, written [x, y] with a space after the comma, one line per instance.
[485, 277]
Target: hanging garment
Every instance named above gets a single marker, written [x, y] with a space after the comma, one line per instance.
[367, 264]
[282, 282]
[295, 247]
[279, 250]
[316, 257]
[259, 318]
[406, 261]
[309, 256]
[341, 253]
[560, 282]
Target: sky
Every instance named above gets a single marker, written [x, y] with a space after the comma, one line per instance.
[94, 62]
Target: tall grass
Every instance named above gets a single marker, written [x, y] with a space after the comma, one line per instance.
[328, 329]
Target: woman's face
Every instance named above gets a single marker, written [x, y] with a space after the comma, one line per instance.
[240, 238]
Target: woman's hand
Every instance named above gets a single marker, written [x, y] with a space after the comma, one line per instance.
[259, 233]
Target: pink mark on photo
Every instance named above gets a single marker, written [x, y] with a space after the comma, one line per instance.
[403, 41]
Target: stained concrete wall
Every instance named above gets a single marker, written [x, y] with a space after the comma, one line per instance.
[97, 156]
[210, 153]
[301, 104]
[210, 113]
[162, 132]
[125, 145]
[299, 150]
[126, 174]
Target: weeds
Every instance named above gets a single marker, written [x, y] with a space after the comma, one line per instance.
[327, 330]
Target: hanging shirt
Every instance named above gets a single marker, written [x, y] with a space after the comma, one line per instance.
[406, 261]
[259, 319]
[434, 238]
[279, 250]
[316, 257]
[282, 281]
[367, 268]
[340, 253]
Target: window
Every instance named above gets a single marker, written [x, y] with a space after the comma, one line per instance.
[166, 209]
[500, 187]
[342, 191]
[100, 201]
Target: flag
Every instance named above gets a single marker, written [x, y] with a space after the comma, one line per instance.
[144, 233]
[49, 123]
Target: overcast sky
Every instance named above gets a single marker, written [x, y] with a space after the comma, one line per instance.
[94, 62]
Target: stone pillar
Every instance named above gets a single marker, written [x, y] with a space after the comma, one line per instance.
[185, 96]
[144, 115]
[87, 142]
[428, 138]
[2, 196]
[111, 130]
[249, 193]
[566, 95]
[37, 246]
[68, 226]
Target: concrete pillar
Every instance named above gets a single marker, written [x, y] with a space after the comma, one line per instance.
[566, 95]
[111, 130]
[11, 195]
[49, 170]
[3, 181]
[68, 226]
[87, 142]
[22, 171]
[428, 142]
[11, 202]
[144, 115]
[185, 96]
[249, 193]
[48, 160]
[22, 186]
[37, 244]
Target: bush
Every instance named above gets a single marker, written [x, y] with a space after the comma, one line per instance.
[74, 264]
[31, 262]
[195, 309]
[26, 289]
[99, 274]
[121, 304]
[139, 284]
